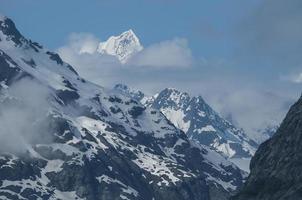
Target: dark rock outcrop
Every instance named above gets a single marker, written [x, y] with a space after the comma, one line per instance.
[276, 168]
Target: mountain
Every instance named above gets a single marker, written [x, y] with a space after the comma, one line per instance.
[276, 166]
[197, 119]
[63, 137]
[200, 123]
[122, 47]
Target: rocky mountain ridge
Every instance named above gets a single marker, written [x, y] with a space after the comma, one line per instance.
[90, 142]
[200, 122]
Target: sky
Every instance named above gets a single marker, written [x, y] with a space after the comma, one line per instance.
[242, 56]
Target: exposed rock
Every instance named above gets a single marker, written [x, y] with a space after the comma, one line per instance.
[277, 164]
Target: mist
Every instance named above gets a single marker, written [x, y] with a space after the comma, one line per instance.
[23, 116]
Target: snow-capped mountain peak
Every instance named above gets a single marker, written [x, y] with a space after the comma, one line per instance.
[200, 122]
[171, 97]
[124, 89]
[8, 29]
[122, 46]
[2, 17]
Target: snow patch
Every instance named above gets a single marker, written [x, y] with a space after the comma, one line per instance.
[207, 128]
[177, 118]
[161, 167]
[126, 189]
[224, 148]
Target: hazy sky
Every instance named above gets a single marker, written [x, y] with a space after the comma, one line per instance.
[242, 56]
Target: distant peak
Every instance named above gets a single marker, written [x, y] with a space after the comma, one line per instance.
[129, 32]
[199, 99]
[2, 17]
[174, 91]
[121, 86]
[171, 89]
[8, 28]
[123, 46]
[136, 94]
[174, 95]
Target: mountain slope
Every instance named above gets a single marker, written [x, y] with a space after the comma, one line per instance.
[123, 46]
[81, 141]
[199, 121]
[276, 166]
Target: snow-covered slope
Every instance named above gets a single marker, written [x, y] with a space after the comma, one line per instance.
[123, 46]
[86, 142]
[201, 123]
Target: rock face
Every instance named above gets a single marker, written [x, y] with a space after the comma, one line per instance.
[89, 142]
[123, 46]
[276, 166]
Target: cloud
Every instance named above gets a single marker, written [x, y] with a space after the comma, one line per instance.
[83, 42]
[23, 119]
[80, 52]
[170, 64]
[249, 105]
[106, 70]
[170, 53]
[293, 77]
[252, 108]
[297, 78]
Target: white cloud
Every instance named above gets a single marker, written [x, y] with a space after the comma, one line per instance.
[293, 78]
[253, 109]
[248, 105]
[297, 78]
[83, 42]
[23, 116]
[106, 70]
[80, 52]
[167, 64]
[170, 53]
